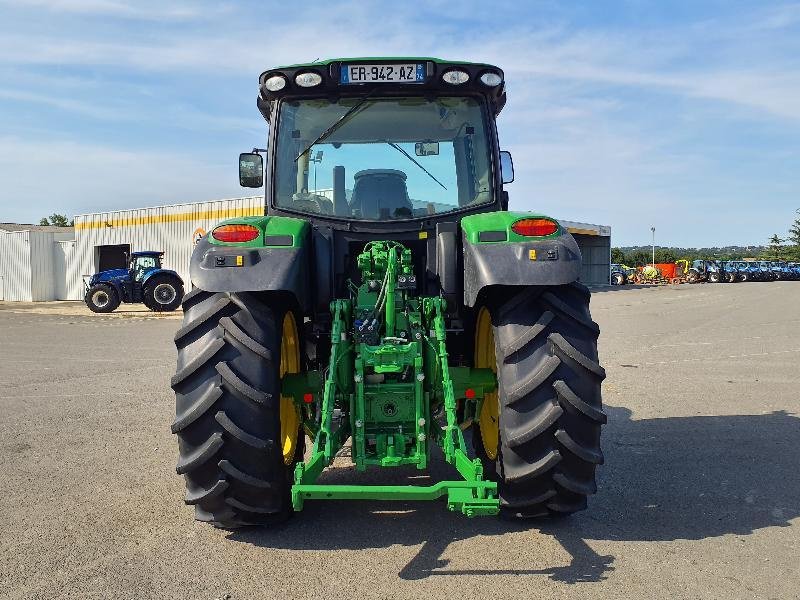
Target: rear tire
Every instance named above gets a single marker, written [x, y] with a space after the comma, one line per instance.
[101, 298]
[617, 279]
[228, 407]
[713, 277]
[163, 294]
[549, 400]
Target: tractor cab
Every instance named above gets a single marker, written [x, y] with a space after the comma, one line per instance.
[142, 263]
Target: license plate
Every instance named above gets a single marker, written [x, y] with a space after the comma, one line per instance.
[407, 73]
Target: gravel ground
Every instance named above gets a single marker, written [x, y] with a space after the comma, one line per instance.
[699, 496]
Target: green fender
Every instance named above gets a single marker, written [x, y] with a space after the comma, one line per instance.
[276, 260]
[495, 255]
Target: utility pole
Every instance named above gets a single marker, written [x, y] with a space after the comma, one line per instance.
[653, 230]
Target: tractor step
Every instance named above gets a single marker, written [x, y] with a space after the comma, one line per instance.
[472, 498]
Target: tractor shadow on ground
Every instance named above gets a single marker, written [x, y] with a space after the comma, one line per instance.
[602, 289]
[667, 479]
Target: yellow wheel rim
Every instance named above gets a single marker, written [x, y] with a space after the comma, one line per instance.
[489, 419]
[290, 363]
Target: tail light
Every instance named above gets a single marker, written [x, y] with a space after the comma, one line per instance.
[535, 227]
[235, 233]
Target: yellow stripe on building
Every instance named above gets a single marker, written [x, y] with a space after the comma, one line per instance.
[213, 215]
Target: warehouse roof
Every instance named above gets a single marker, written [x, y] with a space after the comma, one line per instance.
[30, 227]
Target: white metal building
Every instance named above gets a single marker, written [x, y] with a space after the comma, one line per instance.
[51, 263]
[103, 239]
[31, 261]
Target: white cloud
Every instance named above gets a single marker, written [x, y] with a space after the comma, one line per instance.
[76, 177]
[586, 142]
[140, 9]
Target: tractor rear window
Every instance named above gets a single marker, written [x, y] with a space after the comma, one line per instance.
[382, 159]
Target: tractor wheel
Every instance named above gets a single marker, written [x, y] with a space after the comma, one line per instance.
[101, 298]
[539, 435]
[730, 277]
[238, 439]
[617, 279]
[713, 277]
[744, 276]
[163, 294]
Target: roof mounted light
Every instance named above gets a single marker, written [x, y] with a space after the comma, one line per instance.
[307, 80]
[455, 77]
[491, 79]
[275, 83]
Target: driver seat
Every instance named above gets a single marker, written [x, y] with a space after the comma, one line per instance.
[381, 194]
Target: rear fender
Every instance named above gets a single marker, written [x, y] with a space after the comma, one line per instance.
[277, 260]
[150, 274]
[495, 255]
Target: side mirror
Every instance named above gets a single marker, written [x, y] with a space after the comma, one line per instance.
[506, 166]
[251, 170]
[426, 148]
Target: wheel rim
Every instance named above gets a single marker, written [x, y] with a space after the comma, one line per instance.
[290, 363]
[489, 419]
[100, 299]
[164, 293]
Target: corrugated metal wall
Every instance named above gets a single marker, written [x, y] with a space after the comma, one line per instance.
[171, 229]
[67, 272]
[596, 258]
[43, 271]
[15, 266]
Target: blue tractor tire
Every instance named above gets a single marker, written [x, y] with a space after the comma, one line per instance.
[163, 293]
[101, 298]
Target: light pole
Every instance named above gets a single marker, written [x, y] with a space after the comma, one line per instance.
[653, 231]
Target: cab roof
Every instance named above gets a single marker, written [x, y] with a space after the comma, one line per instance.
[334, 84]
[147, 253]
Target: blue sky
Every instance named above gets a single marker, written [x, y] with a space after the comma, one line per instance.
[685, 115]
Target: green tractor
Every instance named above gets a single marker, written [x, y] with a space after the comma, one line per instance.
[387, 298]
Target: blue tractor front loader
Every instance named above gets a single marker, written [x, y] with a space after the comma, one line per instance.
[143, 281]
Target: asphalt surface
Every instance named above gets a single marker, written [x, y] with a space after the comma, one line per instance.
[699, 496]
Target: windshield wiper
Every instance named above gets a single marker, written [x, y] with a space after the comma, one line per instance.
[411, 158]
[336, 124]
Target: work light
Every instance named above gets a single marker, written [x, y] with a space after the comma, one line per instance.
[308, 79]
[275, 83]
[455, 77]
[491, 79]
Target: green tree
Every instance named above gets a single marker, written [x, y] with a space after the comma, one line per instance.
[57, 220]
[776, 247]
[794, 237]
[617, 256]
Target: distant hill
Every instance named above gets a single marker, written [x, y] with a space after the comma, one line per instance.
[640, 255]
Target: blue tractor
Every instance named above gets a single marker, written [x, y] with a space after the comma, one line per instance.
[704, 270]
[748, 271]
[781, 271]
[730, 271]
[767, 273]
[143, 281]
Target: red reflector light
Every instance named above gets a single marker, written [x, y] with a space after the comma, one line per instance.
[535, 227]
[235, 233]
[470, 393]
[308, 398]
